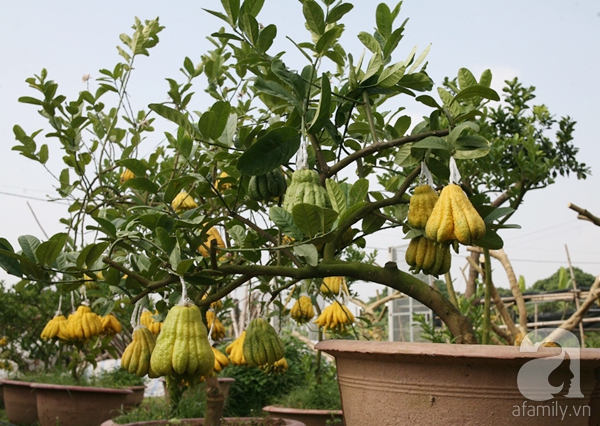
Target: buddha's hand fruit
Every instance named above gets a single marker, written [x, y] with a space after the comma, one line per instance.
[454, 218]
[262, 344]
[302, 311]
[305, 188]
[137, 355]
[431, 257]
[218, 329]
[110, 324]
[421, 205]
[235, 350]
[212, 234]
[221, 360]
[182, 347]
[56, 327]
[83, 324]
[183, 201]
[333, 286]
[268, 186]
[335, 317]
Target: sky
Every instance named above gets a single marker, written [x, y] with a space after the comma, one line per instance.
[550, 44]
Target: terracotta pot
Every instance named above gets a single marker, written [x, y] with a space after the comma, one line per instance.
[77, 405]
[306, 416]
[135, 398]
[20, 402]
[1, 396]
[242, 421]
[393, 383]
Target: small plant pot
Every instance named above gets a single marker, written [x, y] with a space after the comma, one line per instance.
[77, 405]
[20, 402]
[307, 416]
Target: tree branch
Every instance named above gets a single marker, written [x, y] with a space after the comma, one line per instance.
[584, 214]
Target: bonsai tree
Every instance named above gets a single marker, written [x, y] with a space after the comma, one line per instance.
[270, 185]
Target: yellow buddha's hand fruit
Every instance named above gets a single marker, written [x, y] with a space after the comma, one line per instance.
[212, 234]
[262, 344]
[110, 324]
[454, 218]
[56, 327]
[429, 256]
[218, 329]
[126, 175]
[235, 350]
[421, 205]
[137, 355]
[182, 347]
[183, 201]
[83, 324]
[333, 286]
[335, 317]
[221, 360]
[279, 367]
[302, 311]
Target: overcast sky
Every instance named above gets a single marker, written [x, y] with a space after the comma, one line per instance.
[553, 45]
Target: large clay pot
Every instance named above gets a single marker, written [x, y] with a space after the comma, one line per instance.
[77, 405]
[135, 398]
[20, 402]
[393, 383]
[307, 416]
[242, 421]
[224, 383]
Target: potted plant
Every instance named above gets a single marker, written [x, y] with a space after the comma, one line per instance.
[277, 182]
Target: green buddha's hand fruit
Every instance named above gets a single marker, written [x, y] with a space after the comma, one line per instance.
[262, 345]
[305, 188]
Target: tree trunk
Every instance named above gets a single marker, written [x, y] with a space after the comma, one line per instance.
[215, 401]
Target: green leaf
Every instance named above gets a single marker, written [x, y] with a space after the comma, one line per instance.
[218, 15]
[136, 166]
[106, 226]
[9, 263]
[392, 42]
[285, 221]
[29, 100]
[471, 154]
[465, 79]
[323, 110]
[175, 256]
[404, 156]
[336, 196]
[275, 89]
[266, 37]
[469, 142]
[232, 8]
[428, 100]
[372, 223]
[249, 25]
[309, 219]
[184, 265]
[253, 7]
[457, 131]
[308, 252]
[370, 42]
[141, 184]
[270, 151]
[383, 18]
[491, 240]
[95, 252]
[391, 75]
[176, 117]
[165, 240]
[476, 91]
[48, 251]
[374, 67]
[328, 39]
[336, 13]
[486, 78]
[497, 213]
[29, 244]
[351, 211]
[43, 154]
[359, 191]
[432, 142]
[315, 18]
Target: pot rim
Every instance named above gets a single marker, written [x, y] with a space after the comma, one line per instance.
[68, 388]
[15, 382]
[338, 347]
[290, 410]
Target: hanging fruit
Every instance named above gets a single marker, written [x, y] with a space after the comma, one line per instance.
[235, 350]
[335, 317]
[56, 327]
[305, 188]
[431, 257]
[182, 347]
[218, 329]
[454, 218]
[126, 175]
[262, 344]
[110, 324]
[83, 324]
[333, 286]
[212, 234]
[302, 311]
[221, 360]
[268, 186]
[421, 205]
[183, 201]
[136, 356]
